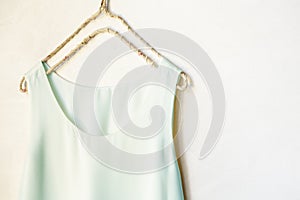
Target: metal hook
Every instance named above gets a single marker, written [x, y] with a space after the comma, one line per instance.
[104, 5]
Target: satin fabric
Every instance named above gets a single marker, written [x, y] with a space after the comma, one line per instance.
[60, 167]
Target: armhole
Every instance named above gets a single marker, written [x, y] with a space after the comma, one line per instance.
[177, 70]
[28, 77]
[31, 76]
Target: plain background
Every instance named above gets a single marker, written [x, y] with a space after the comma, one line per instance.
[255, 46]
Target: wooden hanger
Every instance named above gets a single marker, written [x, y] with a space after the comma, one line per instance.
[104, 9]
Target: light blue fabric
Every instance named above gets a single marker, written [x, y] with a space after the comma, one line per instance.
[60, 167]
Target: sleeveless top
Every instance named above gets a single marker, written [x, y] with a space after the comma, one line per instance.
[67, 162]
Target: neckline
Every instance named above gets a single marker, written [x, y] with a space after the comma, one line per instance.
[43, 65]
[55, 100]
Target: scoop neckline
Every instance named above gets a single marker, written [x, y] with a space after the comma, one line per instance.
[55, 99]
[44, 65]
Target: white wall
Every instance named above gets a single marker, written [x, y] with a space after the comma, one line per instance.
[255, 46]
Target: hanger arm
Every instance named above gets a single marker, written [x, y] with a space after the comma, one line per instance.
[104, 8]
[83, 25]
[93, 35]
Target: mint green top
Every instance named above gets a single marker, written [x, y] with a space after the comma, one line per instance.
[63, 161]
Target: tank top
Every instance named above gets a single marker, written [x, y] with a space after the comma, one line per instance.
[66, 162]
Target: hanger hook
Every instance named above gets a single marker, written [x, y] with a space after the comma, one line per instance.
[104, 5]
